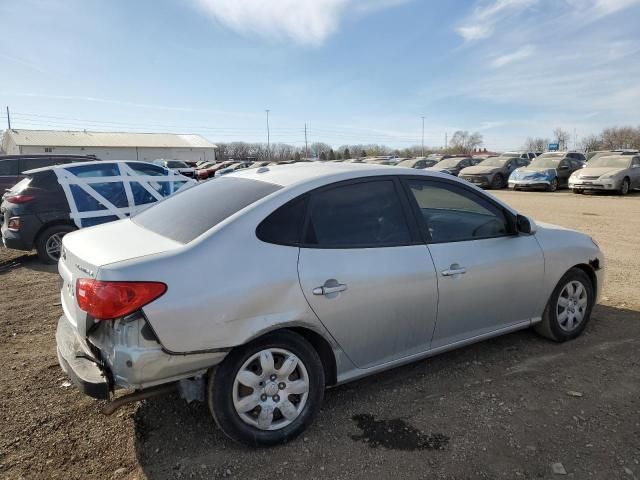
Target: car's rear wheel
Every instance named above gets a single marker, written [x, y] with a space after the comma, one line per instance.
[553, 185]
[497, 182]
[624, 188]
[569, 308]
[49, 243]
[268, 391]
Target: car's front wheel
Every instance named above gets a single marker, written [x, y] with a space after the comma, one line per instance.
[569, 307]
[49, 243]
[497, 182]
[553, 185]
[624, 188]
[268, 391]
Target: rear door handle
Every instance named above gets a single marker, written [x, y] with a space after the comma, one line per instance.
[454, 269]
[341, 287]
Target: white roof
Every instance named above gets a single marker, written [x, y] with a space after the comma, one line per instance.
[84, 138]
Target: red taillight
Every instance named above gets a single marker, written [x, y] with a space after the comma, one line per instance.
[19, 198]
[109, 300]
[14, 224]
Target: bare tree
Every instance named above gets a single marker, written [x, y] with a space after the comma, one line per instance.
[561, 137]
[464, 142]
[536, 144]
[591, 142]
[620, 137]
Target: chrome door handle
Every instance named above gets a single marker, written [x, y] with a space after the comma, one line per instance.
[341, 287]
[454, 270]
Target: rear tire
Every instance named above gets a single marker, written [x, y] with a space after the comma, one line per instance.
[288, 407]
[569, 308]
[49, 243]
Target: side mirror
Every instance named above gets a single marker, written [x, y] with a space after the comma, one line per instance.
[526, 225]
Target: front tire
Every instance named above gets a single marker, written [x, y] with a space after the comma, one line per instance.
[624, 188]
[577, 191]
[569, 308]
[49, 243]
[553, 185]
[268, 391]
[497, 182]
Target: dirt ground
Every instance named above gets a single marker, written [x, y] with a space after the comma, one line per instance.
[511, 407]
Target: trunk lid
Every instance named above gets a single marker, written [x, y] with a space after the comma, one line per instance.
[85, 251]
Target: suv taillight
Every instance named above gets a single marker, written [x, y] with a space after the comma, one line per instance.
[19, 198]
[109, 300]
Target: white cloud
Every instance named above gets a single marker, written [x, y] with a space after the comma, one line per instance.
[606, 7]
[516, 56]
[308, 22]
[481, 23]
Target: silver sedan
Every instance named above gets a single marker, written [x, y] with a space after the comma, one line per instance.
[260, 289]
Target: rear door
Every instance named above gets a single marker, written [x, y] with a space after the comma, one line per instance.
[488, 278]
[366, 273]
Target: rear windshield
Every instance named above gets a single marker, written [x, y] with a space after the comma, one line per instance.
[190, 213]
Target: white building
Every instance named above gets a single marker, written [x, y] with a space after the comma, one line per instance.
[109, 145]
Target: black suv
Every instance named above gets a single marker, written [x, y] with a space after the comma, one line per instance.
[12, 166]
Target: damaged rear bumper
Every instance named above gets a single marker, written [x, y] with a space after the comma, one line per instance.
[82, 369]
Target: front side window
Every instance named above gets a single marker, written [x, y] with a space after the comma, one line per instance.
[452, 214]
[357, 215]
[147, 169]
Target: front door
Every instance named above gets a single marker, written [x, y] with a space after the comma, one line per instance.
[488, 277]
[365, 272]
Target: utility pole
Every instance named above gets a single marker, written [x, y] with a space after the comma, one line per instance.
[422, 155]
[446, 141]
[268, 138]
[306, 148]
[8, 118]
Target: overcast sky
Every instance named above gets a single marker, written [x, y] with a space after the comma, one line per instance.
[357, 71]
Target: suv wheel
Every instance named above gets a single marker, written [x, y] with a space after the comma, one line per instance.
[268, 391]
[569, 307]
[49, 243]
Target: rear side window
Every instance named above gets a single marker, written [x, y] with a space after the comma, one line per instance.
[360, 215]
[284, 226]
[95, 170]
[190, 213]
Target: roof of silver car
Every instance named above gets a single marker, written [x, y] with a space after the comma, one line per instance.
[286, 175]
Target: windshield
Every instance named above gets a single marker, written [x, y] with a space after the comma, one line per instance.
[495, 161]
[611, 161]
[176, 164]
[218, 200]
[547, 160]
[407, 163]
[448, 163]
[509, 154]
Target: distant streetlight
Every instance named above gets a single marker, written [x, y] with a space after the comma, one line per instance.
[422, 136]
[268, 138]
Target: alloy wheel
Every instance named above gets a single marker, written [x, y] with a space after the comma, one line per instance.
[271, 388]
[54, 244]
[572, 305]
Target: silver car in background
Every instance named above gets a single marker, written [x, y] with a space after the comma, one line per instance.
[260, 289]
[617, 173]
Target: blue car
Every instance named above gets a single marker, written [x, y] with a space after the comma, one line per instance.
[549, 171]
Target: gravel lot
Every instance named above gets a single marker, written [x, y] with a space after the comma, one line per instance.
[511, 407]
